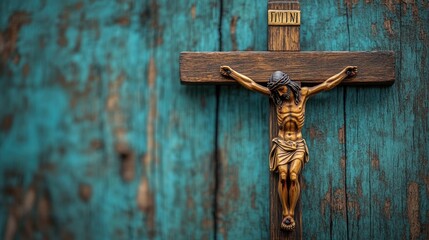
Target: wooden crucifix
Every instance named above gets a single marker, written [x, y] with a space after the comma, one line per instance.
[315, 71]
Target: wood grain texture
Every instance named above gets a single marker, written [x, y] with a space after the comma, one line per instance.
[375, 68]
[243, 196]
[387, 142]
[98, 136]
[323, 198]
[98, 141]
[283, 38]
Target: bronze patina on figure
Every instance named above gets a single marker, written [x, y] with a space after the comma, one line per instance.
[289, 150]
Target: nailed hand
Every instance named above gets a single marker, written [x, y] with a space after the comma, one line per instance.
[225, 70]
[351, 71]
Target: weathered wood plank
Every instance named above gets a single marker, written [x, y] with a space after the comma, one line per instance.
[243, 200]
[96, 138]
[375, 68]
[282, 38]
[387, 143]
[324, 194]
[77, 125]
[185, 123]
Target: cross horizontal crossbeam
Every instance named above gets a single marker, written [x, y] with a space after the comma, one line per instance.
[309, 68]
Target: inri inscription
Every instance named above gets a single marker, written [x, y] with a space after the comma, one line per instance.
[284, 17]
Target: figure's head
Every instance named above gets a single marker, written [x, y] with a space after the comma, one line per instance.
[277, 83]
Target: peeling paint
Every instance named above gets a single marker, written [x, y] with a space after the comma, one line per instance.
[341, 135]
[62, 80]
[146, 204]
[343, 163]
[123, 21]
[75, 6]
[388, 27]
[77, 94]
[151, 75]
[413, 210]
[11, 227]
[387, 209]
[234, 191]
[414, 8]
[62, 29]
[28, 202]
[115, 114]
[44, 212]
[19, 211]
[144, 196]
[25, 70]
[354, 207]
[375, 161]
[232, 30]
[315, 133]
[391, 5]
[336, 201]
[85, 192]
[9, 37]
[374, 31]
[154, 8]
[382, 178]
[351, 3]
[207, 223]
[359, 189]
[63, 22]
[113, 99]
[96, 144]
[193, 11]
[6, 123]
[151, 116]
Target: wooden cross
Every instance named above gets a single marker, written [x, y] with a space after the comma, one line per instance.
[308, 68]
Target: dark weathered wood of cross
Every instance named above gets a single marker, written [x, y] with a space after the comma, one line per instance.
[309, 68]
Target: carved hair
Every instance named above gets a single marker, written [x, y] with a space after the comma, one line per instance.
[279, 79]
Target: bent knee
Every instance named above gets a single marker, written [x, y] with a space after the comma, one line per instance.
[283, 176]
[293, 176]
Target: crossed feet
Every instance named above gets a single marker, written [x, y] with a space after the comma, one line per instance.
[288, 223]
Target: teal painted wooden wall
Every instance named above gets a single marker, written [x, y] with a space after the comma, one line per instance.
[98, 140]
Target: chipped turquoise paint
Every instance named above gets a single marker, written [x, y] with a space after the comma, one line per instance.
[323, 194]
[243, 194]
[87, 86]
[85, 97]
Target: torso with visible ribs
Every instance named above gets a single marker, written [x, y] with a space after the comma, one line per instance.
[290, 118]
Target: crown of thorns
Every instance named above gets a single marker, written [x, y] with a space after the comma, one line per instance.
[284, 80]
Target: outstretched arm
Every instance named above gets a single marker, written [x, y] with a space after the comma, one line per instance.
[244, 80]
[333, 81]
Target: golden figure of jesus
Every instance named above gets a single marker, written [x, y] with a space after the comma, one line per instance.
[289, 151]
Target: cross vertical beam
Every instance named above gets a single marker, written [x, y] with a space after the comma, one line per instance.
[281, 38]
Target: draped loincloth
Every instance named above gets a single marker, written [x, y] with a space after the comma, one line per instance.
[283, 152]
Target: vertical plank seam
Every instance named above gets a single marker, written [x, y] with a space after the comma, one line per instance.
[398, 76]
[345, 135]
[217, 163]
[217, 168]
